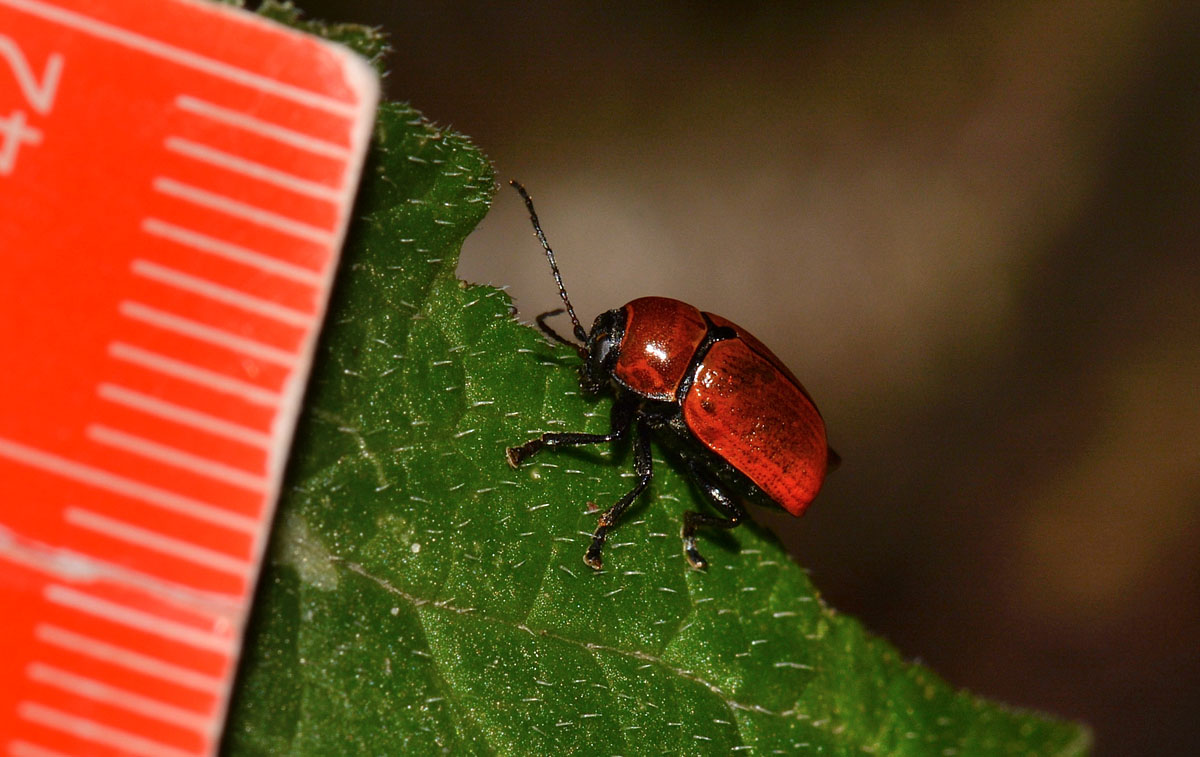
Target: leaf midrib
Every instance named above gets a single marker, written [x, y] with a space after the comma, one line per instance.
[591, 647]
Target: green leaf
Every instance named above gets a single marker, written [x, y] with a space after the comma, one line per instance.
[421, 597]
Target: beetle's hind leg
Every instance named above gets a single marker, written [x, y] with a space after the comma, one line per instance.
[643, 466]
[722, 501]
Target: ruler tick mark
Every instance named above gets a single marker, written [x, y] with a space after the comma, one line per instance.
[90, 730]
[127, 487]
[184, 415]
[143, 621]
[220, 293]
[162, 50]
[205, 333]
[25, 749]
[238, 254]
[142, 537]
[127, 658]
[117, 697]
[170, 366]
[176, 457]
[249, 123]
[268, 219]
[252, 169]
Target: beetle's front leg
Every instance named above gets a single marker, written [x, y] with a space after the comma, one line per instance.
[622, 416]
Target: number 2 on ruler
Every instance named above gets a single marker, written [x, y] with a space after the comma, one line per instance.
[14, 131]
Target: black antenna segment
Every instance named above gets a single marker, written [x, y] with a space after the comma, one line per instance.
[580, 334]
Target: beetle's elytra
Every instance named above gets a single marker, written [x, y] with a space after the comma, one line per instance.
[741, 423]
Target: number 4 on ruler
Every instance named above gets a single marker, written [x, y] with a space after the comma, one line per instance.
[39, 95]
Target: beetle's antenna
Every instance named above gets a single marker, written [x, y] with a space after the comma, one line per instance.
[580, 334]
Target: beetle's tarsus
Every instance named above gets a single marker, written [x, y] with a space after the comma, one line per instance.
[686, 532]
[592, 556]
[593, 559]
[518, 455]
[512, 454]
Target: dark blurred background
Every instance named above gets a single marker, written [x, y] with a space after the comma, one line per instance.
[972, 229]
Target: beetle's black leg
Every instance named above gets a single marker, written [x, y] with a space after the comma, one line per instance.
[643, 465]
[730, 507]
[622, 415]
[550, 332]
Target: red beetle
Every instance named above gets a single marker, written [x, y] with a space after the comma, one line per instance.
[736, 416]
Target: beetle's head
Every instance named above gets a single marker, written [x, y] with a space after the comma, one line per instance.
[600, 351]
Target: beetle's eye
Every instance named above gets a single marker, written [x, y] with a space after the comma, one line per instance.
[603, 347]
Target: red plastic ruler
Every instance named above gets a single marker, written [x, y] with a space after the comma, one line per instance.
[175, 183]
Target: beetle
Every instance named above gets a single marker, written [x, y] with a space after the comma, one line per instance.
[739, 420]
